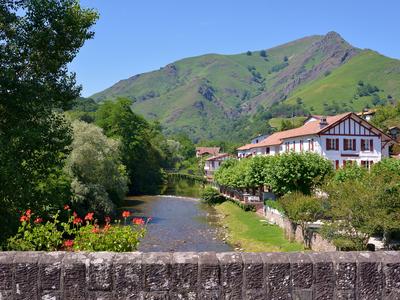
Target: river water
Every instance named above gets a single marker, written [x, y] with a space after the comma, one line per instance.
[180, 222]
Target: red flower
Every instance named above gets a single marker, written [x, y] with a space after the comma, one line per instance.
[66, 207]
[75, 214]
[126, 213]
[89, 216]
[23, 219]
[108, 226]
[138, 221]
[107, 219]
[68, 243]
[28, 213]
[95, 230]
[77, 220]
[38, 220]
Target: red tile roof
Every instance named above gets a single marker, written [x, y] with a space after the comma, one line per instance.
[207, 150]
[310, 128]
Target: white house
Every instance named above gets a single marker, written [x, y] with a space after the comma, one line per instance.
[343, 139]
[213, 163]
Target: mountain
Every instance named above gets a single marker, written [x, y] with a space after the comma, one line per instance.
[215, 96]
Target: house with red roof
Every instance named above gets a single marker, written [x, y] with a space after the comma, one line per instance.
[204, 151]
[343, 139]
[213, 163]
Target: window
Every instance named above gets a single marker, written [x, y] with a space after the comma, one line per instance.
[301, 145]
[349, 144]
[311, 145]
[332, 144]
[366, 163]
[367, 145]
[267, 150]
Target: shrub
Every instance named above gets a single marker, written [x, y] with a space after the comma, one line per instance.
[248, 53]
[211, 196]
[275, 205]
[76, 234]
[263, 53]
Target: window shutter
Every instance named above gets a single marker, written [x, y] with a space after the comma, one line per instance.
[354, 145]
[337, 144]
[328, 144]
[345, 144]
[362, 145]
[371, 145]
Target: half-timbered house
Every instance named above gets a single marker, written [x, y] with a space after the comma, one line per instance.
[343, 139]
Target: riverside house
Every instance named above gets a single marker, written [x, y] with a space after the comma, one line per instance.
[212, 163]
[343, 139]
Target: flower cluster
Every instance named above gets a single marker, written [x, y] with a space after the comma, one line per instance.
[75, 234]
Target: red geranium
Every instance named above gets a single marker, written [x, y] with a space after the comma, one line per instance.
[75, 214]
[66, 207]
[38, 220]
[68, 243]
[107, 219]
[126, 214]
[95, 230]
[89, 216]
[77, 220]
[138, 221]
[23, 218]
[28, 213]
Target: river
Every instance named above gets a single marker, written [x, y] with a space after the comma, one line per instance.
[180, 222]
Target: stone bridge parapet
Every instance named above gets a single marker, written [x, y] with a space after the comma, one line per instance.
[204, 275]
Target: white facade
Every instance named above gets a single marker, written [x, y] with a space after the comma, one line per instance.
[347, 141]
[212, 164]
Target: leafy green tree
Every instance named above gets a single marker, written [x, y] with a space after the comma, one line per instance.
[99, 180]
[263, 53]
[302, 209]
[248, 53]
[140, 154]
[38, 39]
[297, 172]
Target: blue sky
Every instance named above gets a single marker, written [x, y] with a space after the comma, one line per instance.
[135, 36]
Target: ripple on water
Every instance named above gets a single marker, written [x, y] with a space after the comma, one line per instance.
[178, 224]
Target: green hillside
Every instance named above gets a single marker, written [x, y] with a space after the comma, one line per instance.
[217, 96]
[341, 86]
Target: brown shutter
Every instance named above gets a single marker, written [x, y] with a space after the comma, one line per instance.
[337, 144]
[371, 145]
[362, 145]
[345, 144]
[354, 144]
[328, 144]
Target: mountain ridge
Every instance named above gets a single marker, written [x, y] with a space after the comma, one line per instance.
[205, 96]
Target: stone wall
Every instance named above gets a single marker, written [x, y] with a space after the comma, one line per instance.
[316, 241]
[296, 276]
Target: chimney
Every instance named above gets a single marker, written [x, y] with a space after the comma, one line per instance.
[323, 122]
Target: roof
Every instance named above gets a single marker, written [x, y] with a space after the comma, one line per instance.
[209, 150]
[219, 156]
[310, 128]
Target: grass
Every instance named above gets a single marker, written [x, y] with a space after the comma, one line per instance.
[248, 232]
[297, 121]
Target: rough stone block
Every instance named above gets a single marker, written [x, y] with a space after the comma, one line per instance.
[157, 269]
[6, 295]
[231, 276]
[184, 273]
[302, 294]
[345, 295]
[100, 271]
[324, 278]
[6, 270]
[51, 295]
[50, 271]
[156, 296]
[254, 294]
[128, 275]
[100, 295]
[74, 275]
[277, 275]
[183, 295]
[301, 267]
[26, 274]
[210, 295]
[208, 271]
[253, 271]
[370, 275]
[391, 270]
[345, 271]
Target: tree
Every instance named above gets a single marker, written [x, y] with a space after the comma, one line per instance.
[38, 39]
[263, 53]
[99, 179]
[248, 53]
[302, 209]
[140, 153]
[297, 172]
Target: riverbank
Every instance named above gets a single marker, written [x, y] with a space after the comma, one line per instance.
[248, 232]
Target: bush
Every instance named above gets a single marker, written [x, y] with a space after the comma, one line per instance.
[244, 206]
[275, 205]
[263, 53]
[211, 196]
[76, 234]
